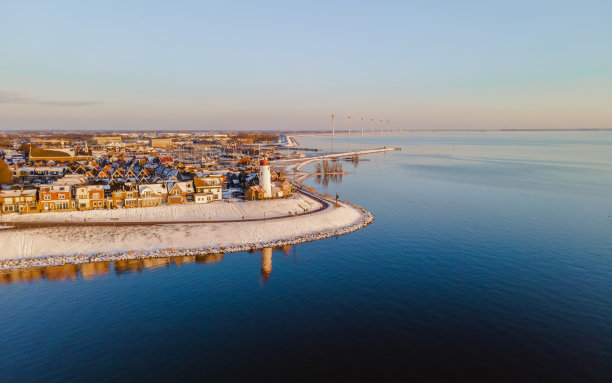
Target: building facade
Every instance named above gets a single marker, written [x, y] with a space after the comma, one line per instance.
[208, 189]
[56, 198]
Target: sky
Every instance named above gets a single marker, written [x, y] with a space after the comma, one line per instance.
[267, 65]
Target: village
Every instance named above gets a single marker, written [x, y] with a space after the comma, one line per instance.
[80, 198]
[80, 172]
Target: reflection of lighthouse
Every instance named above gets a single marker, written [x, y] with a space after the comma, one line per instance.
[265, 181]
[266, 262]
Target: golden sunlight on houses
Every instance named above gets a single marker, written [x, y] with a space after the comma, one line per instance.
[90, 197]
[18, 201]
[208, 189]
[63, 174]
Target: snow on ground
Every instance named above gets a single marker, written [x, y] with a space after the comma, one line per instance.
[218, 210]
[69, 240]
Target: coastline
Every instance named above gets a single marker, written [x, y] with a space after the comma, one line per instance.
[77, 243]
[361, 219]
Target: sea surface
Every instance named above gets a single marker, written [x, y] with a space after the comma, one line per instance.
[490, 257]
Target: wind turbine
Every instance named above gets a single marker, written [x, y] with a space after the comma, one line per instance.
[388, 128]
[372, 121]
[333, 130]
[381, 121]
[348, 118]
[362, 125]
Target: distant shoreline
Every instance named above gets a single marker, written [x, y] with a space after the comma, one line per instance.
[298, 133]
[357, 133]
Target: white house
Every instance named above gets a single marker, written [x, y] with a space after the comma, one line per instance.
[152, 194]
[208, 189]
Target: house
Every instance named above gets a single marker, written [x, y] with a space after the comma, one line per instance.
[89, 197]
[143, 175]
[124, 194]
[281, 188]
[104, 174]
[152, 194]
[118, 174]
[180, 192]
[18, 201]
[131, 174]
[254, 193]
[71, 179]
[56, 198]
[208, 188]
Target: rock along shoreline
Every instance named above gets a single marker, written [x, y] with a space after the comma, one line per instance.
[365, 219]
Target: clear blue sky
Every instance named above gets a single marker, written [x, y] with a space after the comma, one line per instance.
[288, 65]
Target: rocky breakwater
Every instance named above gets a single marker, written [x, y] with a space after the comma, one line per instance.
[365, 218]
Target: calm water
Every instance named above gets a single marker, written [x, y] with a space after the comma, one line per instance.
[490, 256]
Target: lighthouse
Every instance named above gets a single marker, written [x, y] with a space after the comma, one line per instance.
[265, 181]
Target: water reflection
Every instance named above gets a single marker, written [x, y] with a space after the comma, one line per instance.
[324, 179]
[128, 266]
[266, 263]
[209, 258]
[354, 159]
[91, 271]
[61, 273]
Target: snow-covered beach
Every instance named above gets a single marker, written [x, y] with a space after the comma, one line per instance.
[80, 244]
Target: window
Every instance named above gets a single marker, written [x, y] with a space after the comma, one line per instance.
[61, 196]
[46, 197]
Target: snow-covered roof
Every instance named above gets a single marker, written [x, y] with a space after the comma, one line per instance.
[158, 189]
[206, 181]
[92, 187]
[54, 188]
[10, 193]
[184, 186]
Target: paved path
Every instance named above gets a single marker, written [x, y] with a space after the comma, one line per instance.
[28, 225]
[285, 164]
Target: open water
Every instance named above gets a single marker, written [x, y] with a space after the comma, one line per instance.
[490, 257]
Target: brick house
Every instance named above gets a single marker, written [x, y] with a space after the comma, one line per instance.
[89, 197]
[180, 192]
[124, 194]
[254, 193]
[281, 188]
[56, 198]
[18, 201]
